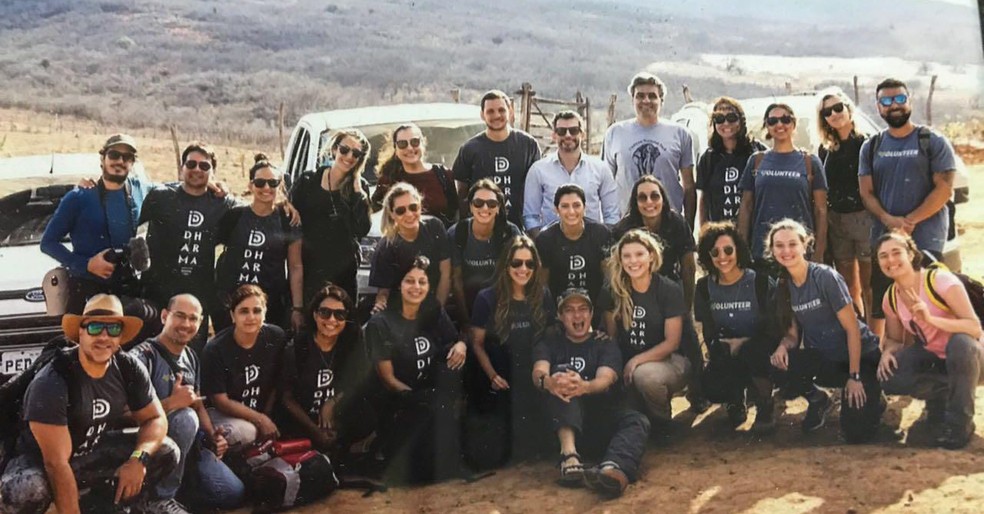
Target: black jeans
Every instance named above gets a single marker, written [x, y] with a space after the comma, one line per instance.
[604, 427]
[728, 376]
[808, 368]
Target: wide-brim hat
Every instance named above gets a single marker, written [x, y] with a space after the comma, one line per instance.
[102, 307]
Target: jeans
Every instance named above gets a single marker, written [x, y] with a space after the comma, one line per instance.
[654, 384]
[238, 432]
[923, 375]
[603, 426]
[24, 486]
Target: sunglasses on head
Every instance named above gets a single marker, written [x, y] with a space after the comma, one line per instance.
[478, 203]
[112, 328]
[202, 165]
[271, 182]
[401, 210]
[402, 144]
[827, 111]
[887, 101]
[326, 313]
[345, 149]
[652, 197]
[563, 131]
[114, 155]
[785, 119]
[516, 263]
[644, 96]
[720, 118]
[728, 250]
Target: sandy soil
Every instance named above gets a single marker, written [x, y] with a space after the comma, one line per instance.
[705, 468]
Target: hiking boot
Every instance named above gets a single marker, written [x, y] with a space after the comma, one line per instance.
[954, 437]
[737, 414]
[606, 479]
[169, 506]
[816, 413]
[698, 404]
[765, 420]
[936, 411]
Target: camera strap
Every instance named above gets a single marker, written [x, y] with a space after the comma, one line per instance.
[130, 204]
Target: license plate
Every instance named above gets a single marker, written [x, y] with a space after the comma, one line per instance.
[13, 362]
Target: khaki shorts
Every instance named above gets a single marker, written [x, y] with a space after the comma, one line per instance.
[849, 235]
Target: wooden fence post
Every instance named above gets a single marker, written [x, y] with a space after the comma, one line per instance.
[856, 95]
[929, 101]
[177, 150]
[280, 126]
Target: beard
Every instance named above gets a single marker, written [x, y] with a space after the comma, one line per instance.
[897, 121]
[116, 179]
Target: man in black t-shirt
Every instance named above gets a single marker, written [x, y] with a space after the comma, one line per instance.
[501, 153]
[579, 373]
[73, 409]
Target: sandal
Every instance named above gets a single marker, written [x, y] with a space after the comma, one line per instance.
[571, 474]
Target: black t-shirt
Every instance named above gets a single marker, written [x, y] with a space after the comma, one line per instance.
[663, 300]
[392, 256]
[675, 236]
[246, 376]
[415, 351]
[477, 259]
[718, 174]
[98, 404]
[585, 357]
[505, 162]
[575, 263]
[181, 238]
[332, 224]
[255, 250]
[314, 376]
[518, 343]
[841, 167]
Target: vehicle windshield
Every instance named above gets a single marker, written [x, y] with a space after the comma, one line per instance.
[26, 205]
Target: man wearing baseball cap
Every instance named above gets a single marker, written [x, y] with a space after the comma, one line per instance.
[73, 409]
[579, 374]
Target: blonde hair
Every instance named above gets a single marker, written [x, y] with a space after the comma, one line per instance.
[829, 138]
[353, 179]
[621, 285]
[388, 227]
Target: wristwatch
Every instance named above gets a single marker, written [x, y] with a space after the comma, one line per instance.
[142, 457]
[854, 376]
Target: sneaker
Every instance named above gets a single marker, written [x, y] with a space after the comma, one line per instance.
[606, 479]
[698, 404]
[765, 420]
[816, 413]
[169, 506]
[737, 414]
[954, 437]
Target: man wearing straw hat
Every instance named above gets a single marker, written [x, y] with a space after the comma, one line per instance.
[72, 409]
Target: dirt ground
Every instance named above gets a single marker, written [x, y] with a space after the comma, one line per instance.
[705, 467]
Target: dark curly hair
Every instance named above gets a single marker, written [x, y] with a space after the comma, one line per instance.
[709, 235]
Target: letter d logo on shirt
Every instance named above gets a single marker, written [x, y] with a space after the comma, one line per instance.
[195, 219]
[256, 238]
[501, 164]
[422, 344]
[577, 263]
[100, 408]
[252, 373]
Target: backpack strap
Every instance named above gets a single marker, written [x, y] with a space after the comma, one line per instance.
[759, 157]
[808, 161]
[892, 299]
[461, 235]
[450, 193]
[934, 297]
[762, 290]
[875, 143]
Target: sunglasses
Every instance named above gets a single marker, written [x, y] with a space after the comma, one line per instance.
[730, 118]
[785, 119]
[401, 210]
[516, 263]
[644, 96]
[247, 310]
[112, 328]
[260, 182]
[728, 250]
[827, 111]
[563, 131]
[402, 144]
[202, 165]
[326, 313]
[652, 197]
[358, 154]
[887, 101]
[114, 155]
[478, 203]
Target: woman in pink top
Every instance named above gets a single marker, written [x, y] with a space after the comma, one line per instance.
[930, 351]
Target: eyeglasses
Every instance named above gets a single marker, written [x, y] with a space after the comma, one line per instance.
[652, 197]
[785, 119]
[202, 165]
[401, 210]
[112, 328]
[186, 317]
[271, 182]
[887, 101]
[563, 131]
[114, 155]
[478, 203]
[516, 263]
[728, 250]
[643, 96]
[345, 149]
[730, 118]
[827, 111]
[402, 144]
[326, 313]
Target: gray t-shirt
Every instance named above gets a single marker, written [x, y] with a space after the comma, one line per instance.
[734, 307]
[162, 377]
[815, 305]
[662, 150]
[902, 181]
[781, 191]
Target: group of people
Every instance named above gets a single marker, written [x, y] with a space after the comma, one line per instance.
[524, 305]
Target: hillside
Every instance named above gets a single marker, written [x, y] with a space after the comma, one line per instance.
[222, 67]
